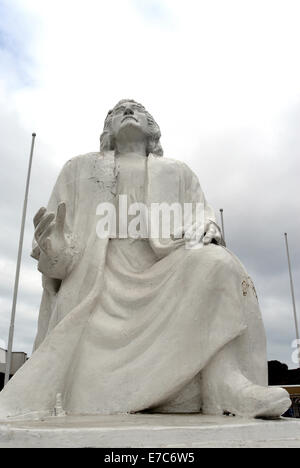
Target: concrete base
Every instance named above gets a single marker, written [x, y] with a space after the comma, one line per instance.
[144, 430]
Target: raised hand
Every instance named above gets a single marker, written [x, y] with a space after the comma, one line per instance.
[50, 230]
[57, 246]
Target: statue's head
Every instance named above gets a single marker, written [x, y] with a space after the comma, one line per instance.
[130, 113]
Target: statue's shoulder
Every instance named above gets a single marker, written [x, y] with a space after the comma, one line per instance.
[83, 158]
[178, 165]
[162, 159]
[88, 160]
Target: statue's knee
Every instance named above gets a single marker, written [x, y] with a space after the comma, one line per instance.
[224, 261]
[212, 257]
[221, 255]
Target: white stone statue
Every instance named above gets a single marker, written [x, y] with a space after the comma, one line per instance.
[131, 321]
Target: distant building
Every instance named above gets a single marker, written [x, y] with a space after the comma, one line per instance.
[18, 359]
[281, 376]
[294, 411]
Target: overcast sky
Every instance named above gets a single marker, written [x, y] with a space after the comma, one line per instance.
[222, 78]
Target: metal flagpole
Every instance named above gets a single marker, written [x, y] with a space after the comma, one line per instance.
[222, 221]
[17, 277]
[293, 294]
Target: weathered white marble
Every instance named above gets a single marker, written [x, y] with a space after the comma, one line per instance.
[155, 431]
[143, 323]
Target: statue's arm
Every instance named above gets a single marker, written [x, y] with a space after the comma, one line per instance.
[195, 194]
[55, 247]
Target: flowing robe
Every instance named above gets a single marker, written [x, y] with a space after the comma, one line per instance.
[131, 328]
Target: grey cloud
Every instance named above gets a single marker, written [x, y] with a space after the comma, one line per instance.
[256, 180]
[153, 11]
[17, 35]
[14, 150]
[253, 173]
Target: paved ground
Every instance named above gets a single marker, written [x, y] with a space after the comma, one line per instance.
[143, 430]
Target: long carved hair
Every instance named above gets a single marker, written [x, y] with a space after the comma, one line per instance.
[107, 142]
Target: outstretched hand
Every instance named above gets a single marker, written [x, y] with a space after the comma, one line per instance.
[50, 230]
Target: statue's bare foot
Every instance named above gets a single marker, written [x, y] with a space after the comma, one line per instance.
[237, 395]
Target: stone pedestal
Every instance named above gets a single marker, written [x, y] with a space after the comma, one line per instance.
[143, 430]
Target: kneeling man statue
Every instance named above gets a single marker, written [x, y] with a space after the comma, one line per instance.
[134, 318]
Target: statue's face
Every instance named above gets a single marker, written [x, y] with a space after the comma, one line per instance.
[129, 120]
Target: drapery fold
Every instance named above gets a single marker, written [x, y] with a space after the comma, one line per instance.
[134, 322]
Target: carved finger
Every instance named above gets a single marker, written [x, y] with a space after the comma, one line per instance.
[48, 246]
[36, 252]
[43, 225]
[61, 216]
[38, 216]
[189, 233]
[218, 236]
[200, 233]
[197, 235]
[207, 239]
[46, 233]
[212, 229]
